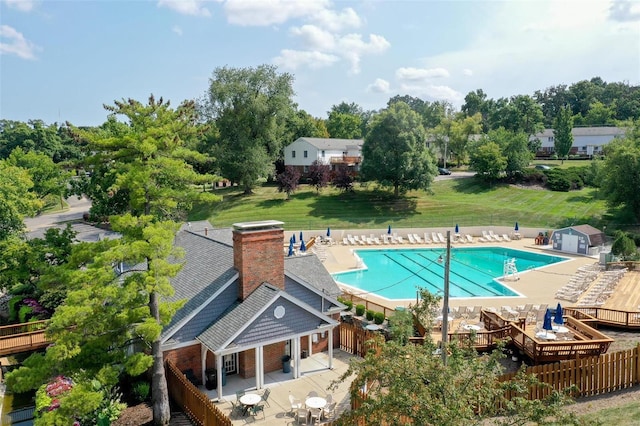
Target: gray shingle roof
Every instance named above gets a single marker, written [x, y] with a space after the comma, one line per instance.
[331, 144]
[587, 131]
[310, 269]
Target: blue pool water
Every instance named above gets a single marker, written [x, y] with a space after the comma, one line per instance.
[397, 273]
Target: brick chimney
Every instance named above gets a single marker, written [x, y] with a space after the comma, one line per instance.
[258, 254]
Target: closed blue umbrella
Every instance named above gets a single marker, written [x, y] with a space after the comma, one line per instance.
[517, 228]
[300, 235]
[293, 238]
[328, 232]
[457, 229]
[303, 247]
[290, 248]
[547, 321]
[389, 230]
[558, 317]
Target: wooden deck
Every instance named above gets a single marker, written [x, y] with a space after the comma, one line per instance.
[23, 337]
[626, 296]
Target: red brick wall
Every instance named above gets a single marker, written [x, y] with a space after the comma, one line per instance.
[186, 358]
[272, 360]
[258, 257]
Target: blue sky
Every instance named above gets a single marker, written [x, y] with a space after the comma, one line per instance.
[62, 60]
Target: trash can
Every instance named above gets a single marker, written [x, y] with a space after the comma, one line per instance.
[304, 353]
[286, 364]
[212, 378]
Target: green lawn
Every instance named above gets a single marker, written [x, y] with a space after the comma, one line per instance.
[467, 202]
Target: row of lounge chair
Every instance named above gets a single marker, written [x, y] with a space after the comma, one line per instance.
[604, 287]
[489, 236]
[434, 238]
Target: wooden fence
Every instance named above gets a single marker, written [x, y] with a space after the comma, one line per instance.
[195, 404]
[369, 305]
[590, 376]
[354, 339]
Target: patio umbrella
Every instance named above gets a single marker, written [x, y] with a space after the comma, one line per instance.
[517, 228]
[293, 238]
[290, 248]
[389, 230]
[303, 247]
[558, 317]
[457, 229]
[300, 235]
[547, 321]
[328, 232]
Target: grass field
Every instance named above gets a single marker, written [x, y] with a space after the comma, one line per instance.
[467, 202]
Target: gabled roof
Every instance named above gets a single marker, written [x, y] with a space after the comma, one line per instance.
[331, 144]
[596, 236]
[311, 270]
[240, 318]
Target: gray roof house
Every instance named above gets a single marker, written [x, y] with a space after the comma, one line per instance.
[586, 140]
[246, 304]
[336, 153]
[581, 239]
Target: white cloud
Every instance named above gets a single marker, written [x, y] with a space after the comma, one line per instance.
[186, 7]
[467, 72]
[440, 93]
[176, 29]
[379, 86]
[21, 5]
[270, 12]
[352, 48]
[17, 44]
[624, 11]
[334, 21]
[413, 74]
[294, 59]
[315, 38]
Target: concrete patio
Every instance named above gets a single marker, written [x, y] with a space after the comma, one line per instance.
[314, 377]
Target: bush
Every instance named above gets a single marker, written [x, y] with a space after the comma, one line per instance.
[378, 318]
[360, 310]
[558, 181]
[140, 391]
[348, 304]
[370, 315]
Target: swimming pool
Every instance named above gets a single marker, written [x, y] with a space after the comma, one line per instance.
[397, 273]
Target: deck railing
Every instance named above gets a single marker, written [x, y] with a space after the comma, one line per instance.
[23, 337]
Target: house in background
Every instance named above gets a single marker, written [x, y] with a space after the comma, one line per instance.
[587, 141]
[580, 239]
[337, 153]
[247, 305]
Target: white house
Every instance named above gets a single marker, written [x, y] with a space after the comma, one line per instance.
[336, 153]
[586, 140]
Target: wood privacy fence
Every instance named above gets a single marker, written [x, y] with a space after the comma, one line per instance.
[195, 404]
[590, 376]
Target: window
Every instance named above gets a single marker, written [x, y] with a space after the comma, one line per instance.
[293, 154]
[304, 154]
[323, 153]
[305, 169]
[550, 139]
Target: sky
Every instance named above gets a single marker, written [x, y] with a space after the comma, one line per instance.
[63, 60]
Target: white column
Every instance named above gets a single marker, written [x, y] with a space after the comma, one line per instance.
[219, 378]
[310, 343]
[257, 366]
[330, 349]
[295, 355]
[203, 361]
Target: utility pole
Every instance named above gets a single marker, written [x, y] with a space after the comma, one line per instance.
[445, 303]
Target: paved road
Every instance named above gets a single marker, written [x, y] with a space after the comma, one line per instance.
[37, 226]
[456, 175]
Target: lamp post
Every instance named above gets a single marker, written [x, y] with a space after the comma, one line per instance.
[445, 302]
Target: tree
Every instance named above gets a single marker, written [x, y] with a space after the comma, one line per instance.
[303, 124]
[344, 126]
[563, 138]
[599, 115]
[148, 160]
[514, 147]
[621, 171]
[462, 129]
[486, 159]
[523, 114]
[16, 199]
[251, 107]
[343, 180]
[394, 152]
[288, 180]
[319, 175]
[407, 384]
[624, 246]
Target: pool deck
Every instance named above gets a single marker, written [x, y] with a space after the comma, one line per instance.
[537, 286]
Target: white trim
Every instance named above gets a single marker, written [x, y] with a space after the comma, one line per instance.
[174, 346]
[178, 326]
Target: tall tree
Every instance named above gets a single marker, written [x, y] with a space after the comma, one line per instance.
[523, 114]
[462, 129]
[514, 148]
[394, 152]
[563, 138]
[251, 107]
[16, 199]
[486, 159]
[149, 161]
[621, 172]
[344, 126]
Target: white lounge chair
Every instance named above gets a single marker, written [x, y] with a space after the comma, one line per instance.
[469, 238]
[418, 238]
[495, 237]
[411, 239]
[441, 238]
[506, 237]
[427, 240]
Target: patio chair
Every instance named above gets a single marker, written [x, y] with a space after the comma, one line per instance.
[312, 394]
[256, 409]
[265, 396]
[237, 408]
[302, 416]
[239, 394]
[329, 398]
[295, 404]
[469, 238]
[330, 410]
[316, 415]
[427, 240]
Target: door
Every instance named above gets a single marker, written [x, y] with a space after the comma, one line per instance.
[230, 363]
[570, 243]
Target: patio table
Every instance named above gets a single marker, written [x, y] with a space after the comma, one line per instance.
[249, 400]
[316, 402]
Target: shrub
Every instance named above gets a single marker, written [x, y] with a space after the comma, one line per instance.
[348, 304]
[370, 315]
[14, 307]
[360, 310]
[140, 391]
[558, 181]
[378, 317]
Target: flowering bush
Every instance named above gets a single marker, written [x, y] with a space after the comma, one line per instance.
[59, 385]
